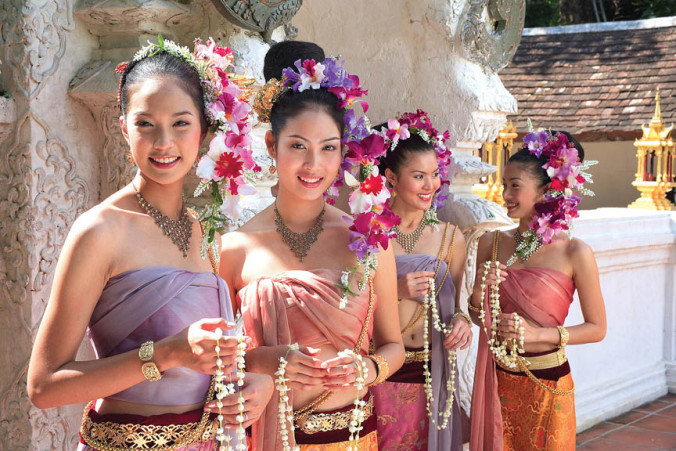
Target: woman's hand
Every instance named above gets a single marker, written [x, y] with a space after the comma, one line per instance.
[195, 346]
[414, 284]
[341, 371]
[303, 370]
[492, 277]
[460, 336]
[257, 391]
[506, 329]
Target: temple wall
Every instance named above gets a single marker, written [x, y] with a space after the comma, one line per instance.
[636, 256]
[613, 175]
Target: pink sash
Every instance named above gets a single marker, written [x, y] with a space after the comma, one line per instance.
[302, 307]
[542, 295]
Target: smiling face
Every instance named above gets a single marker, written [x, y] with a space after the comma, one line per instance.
[307, 152]
[162, 128]
[521, 191]
[416, 180]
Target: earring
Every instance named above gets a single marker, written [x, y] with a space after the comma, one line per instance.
[130, 157]
[272, 168]
[394, 193]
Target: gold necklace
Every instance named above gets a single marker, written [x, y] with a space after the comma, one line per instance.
[300, 243]
[179, 232]
[408, 240]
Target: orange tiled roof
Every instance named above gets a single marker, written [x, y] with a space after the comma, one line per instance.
[596, 84]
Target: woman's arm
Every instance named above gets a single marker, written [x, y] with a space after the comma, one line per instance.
[54, 376]
[461, 335]
[386, 333]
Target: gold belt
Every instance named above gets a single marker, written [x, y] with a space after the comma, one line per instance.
[543, 362]
[414, 356]
[110, 436]
[324, 422]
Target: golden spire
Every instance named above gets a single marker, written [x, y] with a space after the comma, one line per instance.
[656, 129]
[658, 113]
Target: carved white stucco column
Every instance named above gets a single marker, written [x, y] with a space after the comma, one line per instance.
[44, 184]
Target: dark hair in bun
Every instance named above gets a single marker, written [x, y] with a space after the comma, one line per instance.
[290, 104]
[534, 164]
[285, 53]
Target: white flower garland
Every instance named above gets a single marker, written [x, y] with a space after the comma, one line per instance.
[358, 412]
[285, 411]
[505, 351]
[429, 301]
[223, 390]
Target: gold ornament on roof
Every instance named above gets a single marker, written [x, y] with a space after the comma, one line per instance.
[655, 154]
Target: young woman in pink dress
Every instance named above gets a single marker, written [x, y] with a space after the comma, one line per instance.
[287, 269]
[523, 389]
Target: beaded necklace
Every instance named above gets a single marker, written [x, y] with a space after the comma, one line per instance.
[179, 231]
[300, 243]
[408, 241]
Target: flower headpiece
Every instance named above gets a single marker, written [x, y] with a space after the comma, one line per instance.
[567, 172]
[419, 123]
[372, 220]
[228, 167]
[329, 74]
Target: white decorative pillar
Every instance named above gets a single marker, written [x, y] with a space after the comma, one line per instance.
[44, 184]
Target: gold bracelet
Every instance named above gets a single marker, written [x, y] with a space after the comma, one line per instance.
[464, 315]
[149, 369]
[472, 307]
[563, 332]
[382, 369]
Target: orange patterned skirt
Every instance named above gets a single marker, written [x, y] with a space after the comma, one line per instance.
[369, 442]
[534, 418]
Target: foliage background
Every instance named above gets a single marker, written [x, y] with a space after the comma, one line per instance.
[548, 13]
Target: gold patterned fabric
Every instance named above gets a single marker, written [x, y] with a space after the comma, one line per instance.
[534, 418]
[369, 442]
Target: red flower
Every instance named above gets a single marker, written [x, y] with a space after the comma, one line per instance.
[227, 51]
[372, 185]
[309, 66]
[228, 165]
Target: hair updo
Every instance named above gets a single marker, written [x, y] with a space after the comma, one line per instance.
[290, 104]
[161, 65]
[283, 54]
[533, 164]
[395, 159]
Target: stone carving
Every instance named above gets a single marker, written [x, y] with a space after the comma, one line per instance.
[36, 42]
[116, 169]
[61, 197]
[7, 117]
[262, 16]
[105, 17]
[50, 431]
[492, 31]
[14, 433]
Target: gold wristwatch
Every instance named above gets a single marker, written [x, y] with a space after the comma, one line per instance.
[149, 369]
